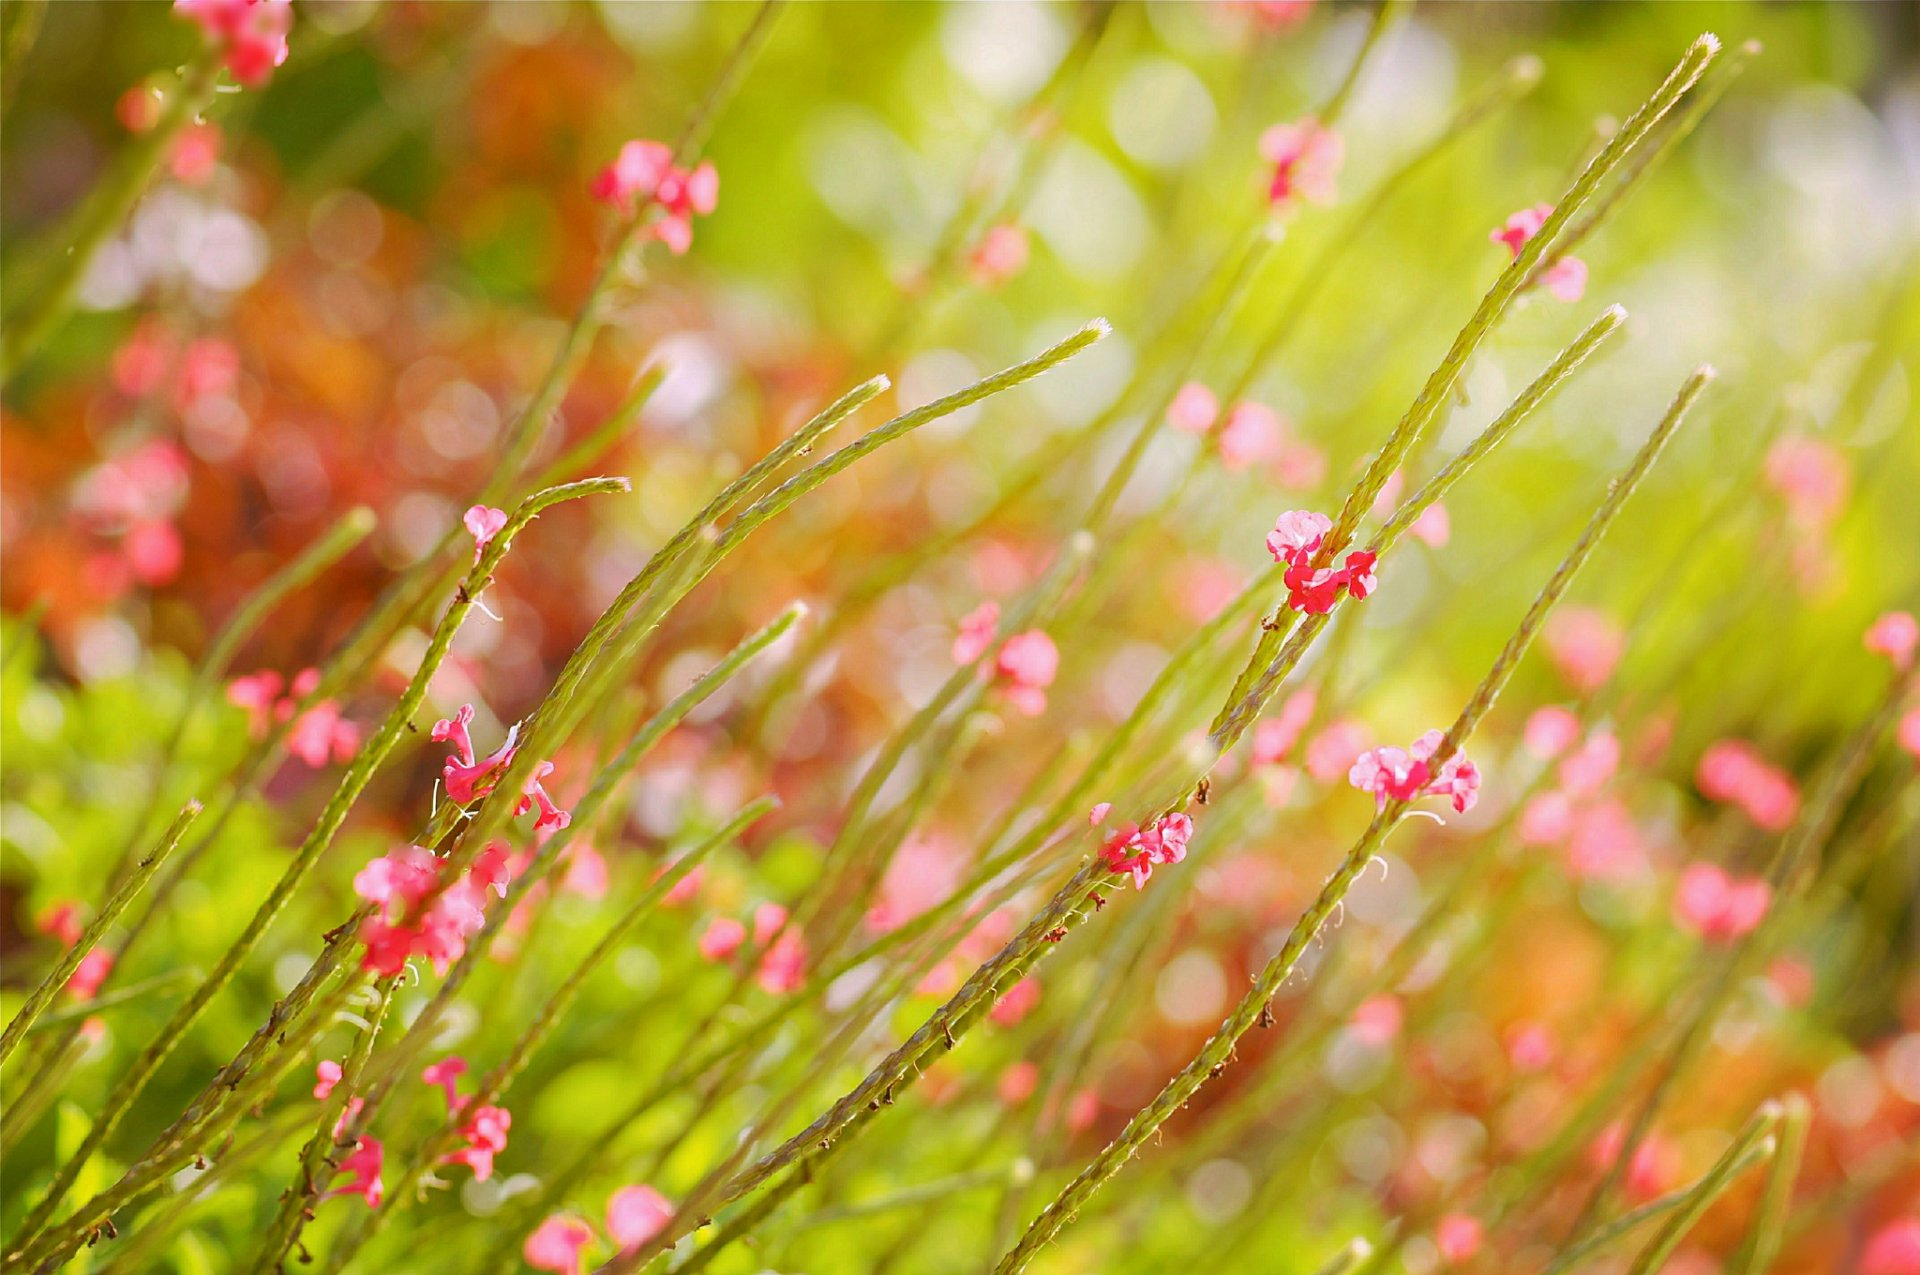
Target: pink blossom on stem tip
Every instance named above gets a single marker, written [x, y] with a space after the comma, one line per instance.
[483, 523]
[94, 967]
[251, 35]
[1393, 774]
[1135, 851]
[1306, 160]
[61, 921]
[643, 173]
[362, 1166]
[1297, 536]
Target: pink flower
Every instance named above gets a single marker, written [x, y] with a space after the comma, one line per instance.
[1587, 770]
[976, 632]
[1298, 466]
[1392, 774]
[1433, 528]
[483, 523]
[1305, 158]
[1717, 906]
[1194, 408]
[1135, 851]
[1652, 1166]
[769, 919]
[1530, 1046]
[1566, 277]
[1894, 635]
[1026, 666]
[1251, 433]
[1605, 843]
[446, 1074]
[320, 734]
[1551, 731]
[1908, 732]
[154, 552]
[643, 173]
[406, 923]
[1733, 771]
[1297, 535]
[1276, 736]
[556, 1245]
[533, 794]
[1376, 1021]
[251, 35]
[1585, 645]
[1018, 1082]
[405, 875]
[256, 693]
[1546, 820]
[1811, 477]
[362, 1167]
[94, 967]
[1894, 1249]
[209, 369]
[1098, 815]
[635, 1214]
[196, 154]
[466, 776]
[486, 1135]
[1332, 750]
[783, 966]
[1458, 1238]
[722, 939]
[999, 256]
[1020, 1000]
[61, 920]
[326, 1074]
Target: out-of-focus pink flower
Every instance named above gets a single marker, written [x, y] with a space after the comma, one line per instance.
[1018, 1082]
[446, 1074]
[320, 734]
[1530, 1046]
[1433, 528]
[1547, 819]
[1894, 1249]
[1083, 1108]
[1135, 851]
[1376, 1021]
[976, 631]
[1020, 1000]
[1393, 774]
[209, 369]
[1274, 738]
[1251, 433]
[326, 1074]
[1587, 769]
[61, 920]
[486, 1133]
[138, 109]
[1649, 1172]
[686, 889]
[1811, 478]
[557, 1245]
[925, 872]
[1458, 1238]
[154, 552]
[1330, 753]
[635, 1214]
[1000, 255]
[1550, 731]
[362, 1167]
[1909, 732]
[483, 523]
[196, 153]
[586, 873]
[1027, 664]
[142, 361]
[256, 693]
[92, 971]
[405, 875]
[1298, 465]
[1791, 979]
[1605, 843]
[1585, 645]
[1306, 160]
[644, 173]
[1717, 906]
[1566, 277]
[783, 966]
[1894, 635]
[1733, 771]
[1275, 15]
[722, 938]
[251, 35]
[1194, 409]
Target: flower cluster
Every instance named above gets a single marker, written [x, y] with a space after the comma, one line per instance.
[1597, 830]
[635, 1214]
[1395, 774]
[469, 777]
[1305, 158]
[644, 173]
[1732, 771]
[1131, 850]
[131, 500]
[251, 35]
[484, 1128]
[414, 916]
[317, 736]
[1717, 905]
[1023, 669]
[1250, 433]
[782, 947]
[1565, 277]
[1296, 537]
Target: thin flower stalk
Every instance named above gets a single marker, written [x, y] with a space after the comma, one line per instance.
[1218, 1052]
[1757, 1136]
[1762, 1244]
[352, 783]
[42, 996]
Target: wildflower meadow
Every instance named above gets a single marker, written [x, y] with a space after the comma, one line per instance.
[838, 636]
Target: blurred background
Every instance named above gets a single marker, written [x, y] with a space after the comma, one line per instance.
[346, 285]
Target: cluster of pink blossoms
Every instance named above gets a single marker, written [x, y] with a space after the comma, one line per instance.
[1717, 905]
[251, 35]
[415, 916]
[1597, 830]
[644, 173]
[1566, 278]
[1023, 669]
[782, 947]
[1306, 160]
[1585, 645]
[1395, 774]
[635, 1214]
[317, 736]
[484, 1128]
[130, 501]
[469, 776]
[1296, 537]
[1131, 850]
[1733, 772]
[1251, 433]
